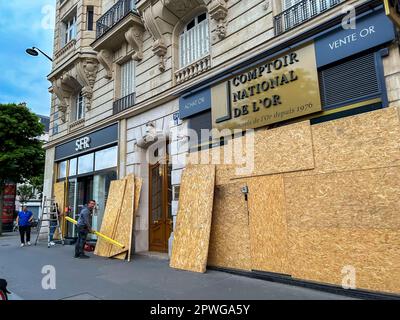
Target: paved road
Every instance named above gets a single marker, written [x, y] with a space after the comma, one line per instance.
[142, 278]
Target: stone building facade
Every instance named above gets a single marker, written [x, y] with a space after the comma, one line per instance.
[129, 74]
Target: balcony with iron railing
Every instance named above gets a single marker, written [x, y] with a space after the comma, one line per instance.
[124, 103]
[302, 12]
[114, 15]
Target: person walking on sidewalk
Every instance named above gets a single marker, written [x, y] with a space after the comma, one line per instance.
[24, 220]
[84, 227]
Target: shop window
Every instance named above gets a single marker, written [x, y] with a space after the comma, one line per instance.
[62, 170]
[72, 167]
[197, 123]
[194, 41]
[106, 158]
[85, 163]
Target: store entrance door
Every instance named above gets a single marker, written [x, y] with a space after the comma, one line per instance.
[160, 216]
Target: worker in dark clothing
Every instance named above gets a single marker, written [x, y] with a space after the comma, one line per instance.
[84, 228]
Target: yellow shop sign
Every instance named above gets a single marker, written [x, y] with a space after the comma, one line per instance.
[276, 90]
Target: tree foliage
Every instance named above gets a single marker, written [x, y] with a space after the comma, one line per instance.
[21, 153]
[25, 193]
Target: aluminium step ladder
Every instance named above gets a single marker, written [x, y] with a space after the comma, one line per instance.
[51, 217]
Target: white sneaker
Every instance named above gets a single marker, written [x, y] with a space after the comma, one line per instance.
[22, 245]
[28, 243]
[52, 243]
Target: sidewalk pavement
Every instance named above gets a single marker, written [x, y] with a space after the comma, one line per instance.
[142, 278]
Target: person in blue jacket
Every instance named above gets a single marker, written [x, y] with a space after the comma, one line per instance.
[24, 220]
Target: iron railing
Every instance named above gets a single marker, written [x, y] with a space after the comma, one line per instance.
[301, 12]
[124, 103]
[116, 13]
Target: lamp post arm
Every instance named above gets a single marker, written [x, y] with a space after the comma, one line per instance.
[43, 54]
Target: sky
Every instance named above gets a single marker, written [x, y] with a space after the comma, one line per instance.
[23, 78]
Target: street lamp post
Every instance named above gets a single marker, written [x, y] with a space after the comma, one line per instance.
[32, 51]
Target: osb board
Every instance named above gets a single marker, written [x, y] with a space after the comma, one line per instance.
[359, 199]
[127, 254]
[111, 213]
[320, 255]
[268, 226]
[125, 220]
[59, 196]
[230, 238]
[270, 151]
[193, 224]
[364, 141]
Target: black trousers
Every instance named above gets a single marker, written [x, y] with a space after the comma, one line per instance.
[80, 243]
[25, 231]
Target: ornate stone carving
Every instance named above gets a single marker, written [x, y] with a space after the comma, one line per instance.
[159, 47]
[87, 71]
[218, 11]
[105, 57]
[134, 36]
[63, 89]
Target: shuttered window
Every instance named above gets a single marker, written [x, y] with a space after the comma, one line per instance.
[127, 78]
[351, 81]
[194, 41]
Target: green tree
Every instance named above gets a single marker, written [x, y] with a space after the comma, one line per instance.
[21, 153]
[25, 192]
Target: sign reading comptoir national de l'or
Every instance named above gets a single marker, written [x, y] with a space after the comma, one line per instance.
[278, 89]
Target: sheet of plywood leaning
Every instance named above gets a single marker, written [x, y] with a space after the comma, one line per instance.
[230, 238]
[129, 233]
[123, 224]
[193, 224]
[268, 226]
[59, 196]
[111, 214]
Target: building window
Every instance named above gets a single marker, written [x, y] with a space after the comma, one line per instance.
[194, 41]
[55, 123]
[85, 163]
[62, 170]
[69, 29]
[127, 79]
[79, 106]
[90, 15]
[106, 158]
[72, 167]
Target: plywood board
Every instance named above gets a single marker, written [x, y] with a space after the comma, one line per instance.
[269, 151]
[268, 226]
[328, 255]
[359, 199]
[230, 238]
[111, 213]
[193, 224]
[59, 196]
[125, 220]
[365, 141]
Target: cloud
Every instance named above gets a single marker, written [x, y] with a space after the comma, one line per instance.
[23, 77]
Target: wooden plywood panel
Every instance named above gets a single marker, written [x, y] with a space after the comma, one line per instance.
[284, 149]
[365, 141]
[230, 238]
[321, 254]
[111, 213]
[268, 226]
[127, 254]
[123, 225]
[193, 224]
[358, 199]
